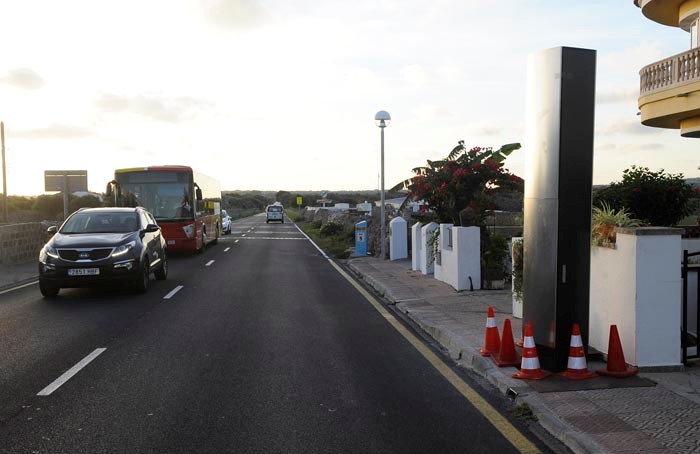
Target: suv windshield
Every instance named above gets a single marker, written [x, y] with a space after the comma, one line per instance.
[103, 222]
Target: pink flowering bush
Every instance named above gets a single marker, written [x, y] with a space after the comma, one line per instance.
[465, 179]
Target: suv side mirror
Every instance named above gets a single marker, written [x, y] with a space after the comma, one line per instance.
[52, 230]
[150, 228]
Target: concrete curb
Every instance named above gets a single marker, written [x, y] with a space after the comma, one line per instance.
[467, 356]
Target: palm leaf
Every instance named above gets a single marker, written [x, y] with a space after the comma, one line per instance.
[456, 151]
[502, 153]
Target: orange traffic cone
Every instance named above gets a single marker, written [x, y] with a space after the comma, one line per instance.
[506, 356]
[530, 365]
[617, 367]
[492, 343]
[576, 368]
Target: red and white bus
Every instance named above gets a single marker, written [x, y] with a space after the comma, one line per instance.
[186, 203]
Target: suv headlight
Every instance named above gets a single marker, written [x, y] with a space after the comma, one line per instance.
[47, 251]
[123, 249]
[189, 230]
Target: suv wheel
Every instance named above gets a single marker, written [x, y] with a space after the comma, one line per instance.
[162, 272]
[141, 284]
[48, 291]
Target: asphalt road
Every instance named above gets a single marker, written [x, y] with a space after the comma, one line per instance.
[265, 348]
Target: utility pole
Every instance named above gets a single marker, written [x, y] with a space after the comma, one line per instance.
[4, 173]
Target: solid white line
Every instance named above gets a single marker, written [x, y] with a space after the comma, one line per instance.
[18, 287]
[173, 292]
[272, 238]
[210, 262]
[312, 242]
[70, 372]
[226, 250]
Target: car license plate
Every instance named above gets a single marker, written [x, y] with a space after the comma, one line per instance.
[171, 242]
[83, 272]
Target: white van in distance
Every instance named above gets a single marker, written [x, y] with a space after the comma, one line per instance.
[275, 212]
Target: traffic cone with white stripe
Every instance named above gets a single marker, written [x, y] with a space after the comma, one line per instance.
[506, 356]
[576, 368]
[492, 342]
[530, 364]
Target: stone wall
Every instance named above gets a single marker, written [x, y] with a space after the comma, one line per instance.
[22, 242]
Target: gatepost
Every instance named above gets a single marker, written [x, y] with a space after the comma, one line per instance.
[361, 239]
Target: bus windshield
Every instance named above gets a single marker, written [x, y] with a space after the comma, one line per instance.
[168, 195]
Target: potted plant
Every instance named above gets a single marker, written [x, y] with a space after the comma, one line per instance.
[604, 221]
[493, 263]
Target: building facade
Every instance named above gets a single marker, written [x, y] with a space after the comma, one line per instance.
[669, 92]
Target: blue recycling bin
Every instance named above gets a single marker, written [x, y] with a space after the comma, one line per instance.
[361, 239]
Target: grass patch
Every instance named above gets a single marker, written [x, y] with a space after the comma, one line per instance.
[294, 214]
[335, 245]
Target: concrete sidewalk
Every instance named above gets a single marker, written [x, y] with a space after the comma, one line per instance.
[651, 419]
[18, 274]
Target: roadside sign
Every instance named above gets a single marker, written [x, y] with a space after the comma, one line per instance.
[69, 180]
[299, 201]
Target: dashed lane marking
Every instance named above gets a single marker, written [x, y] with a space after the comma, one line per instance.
[237, 241]
[67, 375]
[209, 262]
[173, 292]
[226, 250]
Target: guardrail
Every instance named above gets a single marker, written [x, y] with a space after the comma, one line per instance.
[671, 72]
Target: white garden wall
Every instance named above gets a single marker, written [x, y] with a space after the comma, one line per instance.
[417, 247]
[460, 261]
[637, 286]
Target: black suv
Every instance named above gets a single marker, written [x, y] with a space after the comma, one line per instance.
[96, 246]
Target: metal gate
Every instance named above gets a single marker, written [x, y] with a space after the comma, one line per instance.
[688, 337]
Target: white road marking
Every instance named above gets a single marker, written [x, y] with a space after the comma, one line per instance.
[226, 250]
[243, 234]
[272, 238]
[312, 242]
[237, 241]
[173, 292]
[210, 262]
[70, 372]
[18, 287]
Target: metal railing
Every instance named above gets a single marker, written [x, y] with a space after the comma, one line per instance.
[685, 334]
[671, 72]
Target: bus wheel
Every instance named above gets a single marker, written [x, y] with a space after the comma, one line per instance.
[204, 243]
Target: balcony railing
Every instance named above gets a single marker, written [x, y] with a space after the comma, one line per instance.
[672, 72]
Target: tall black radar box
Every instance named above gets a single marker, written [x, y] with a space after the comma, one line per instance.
[558, 179]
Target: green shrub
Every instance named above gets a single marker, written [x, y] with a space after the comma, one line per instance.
[331, 228]
[657, 198]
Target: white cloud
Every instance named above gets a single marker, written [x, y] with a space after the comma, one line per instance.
[24, 78]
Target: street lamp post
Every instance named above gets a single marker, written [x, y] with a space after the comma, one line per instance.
[382, 119]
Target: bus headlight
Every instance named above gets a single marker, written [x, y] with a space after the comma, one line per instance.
[189, 230]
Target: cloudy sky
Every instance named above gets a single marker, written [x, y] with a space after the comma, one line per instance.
[279, 94]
